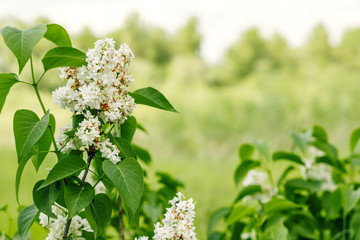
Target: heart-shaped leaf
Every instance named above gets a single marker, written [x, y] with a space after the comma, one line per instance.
[98, 213]
[22, 42]
[128, 179]
[78, 196]
[7, 80]
[151, 97]
[63, 57]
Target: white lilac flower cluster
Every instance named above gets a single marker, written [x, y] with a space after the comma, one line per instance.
[99, 92]
[57, 225]
[317, 171]
[178, 221]
[255, 177]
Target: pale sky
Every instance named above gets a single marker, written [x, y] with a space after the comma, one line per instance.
[220, 22]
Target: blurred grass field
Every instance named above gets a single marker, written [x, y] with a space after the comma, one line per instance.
[281, 89]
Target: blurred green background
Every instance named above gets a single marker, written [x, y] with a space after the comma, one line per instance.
[261, 90]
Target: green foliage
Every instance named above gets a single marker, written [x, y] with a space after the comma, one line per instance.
[22, 42]
[152, 97]
[7, 80]
[26, 218]
[63, 57]
[128, 178]
[58, 35]
[313, 198]
[45, 197]
[65, 168]
[98, 213]
[78, 195]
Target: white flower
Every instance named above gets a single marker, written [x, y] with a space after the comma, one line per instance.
[178, 221]
[101, 85]
[57, 225]
[109, 151]
[255, 177]
[89, 130]
[317, 171]
[142, 238]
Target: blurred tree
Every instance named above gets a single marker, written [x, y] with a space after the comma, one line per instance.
[318, 47]
[277, 51]
[187, 40]
[146, 42]
[241, 58]
[349, 48]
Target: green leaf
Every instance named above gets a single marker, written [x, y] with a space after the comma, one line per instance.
[26, 218]
[63, 57]
[248, 190]
[287, 156]
[243, 169]
[151, 97]
[41, 148]
[246, 151]
[126, 151]
[28, 129]
[44, 198]
[58, 35]
[153, 210]
[7, 80]
[284, 174]
[98, 213]
[19, 172]
[65, 168]
[279, 231]
[355, 136]
[168, 180]
[329, 149]
[22, 42]
[216, 216]
[142, 154]
[332, 162]
[301, 184]
[77, 119]
[320, 133]
[78, 197]
[128, 179]
[239, 212]
[277, 205]
[350, 198]
[302, 139]
[264, 148]
[128, 129]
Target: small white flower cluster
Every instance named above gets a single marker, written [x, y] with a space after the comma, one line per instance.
[178, 221]
[102, 85]
[57, 225]
[317, 171]
[255, 177]
[98, 91]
